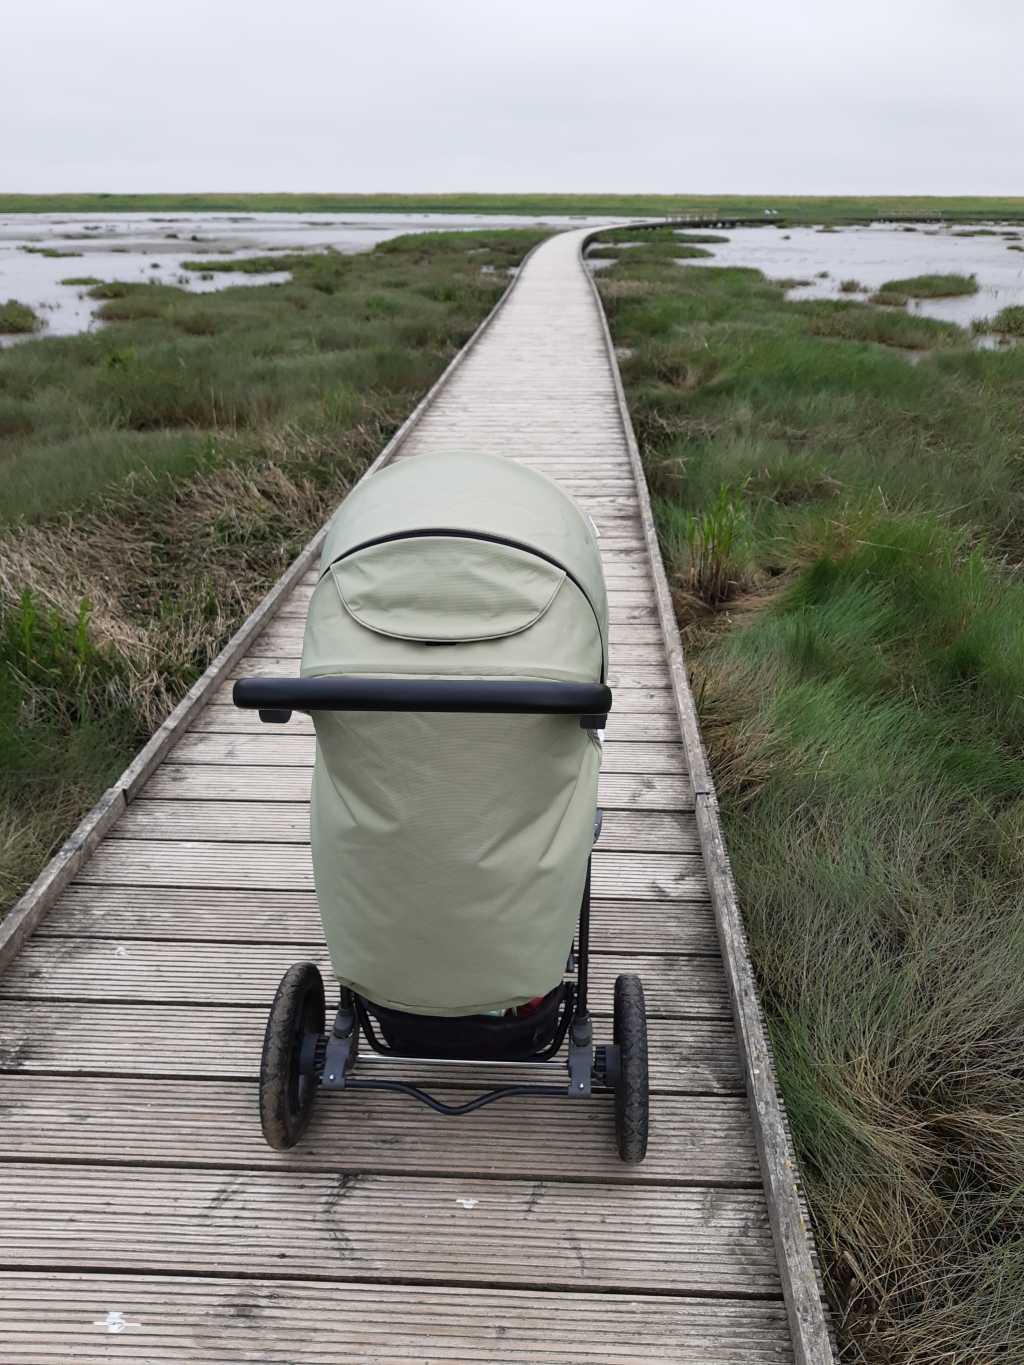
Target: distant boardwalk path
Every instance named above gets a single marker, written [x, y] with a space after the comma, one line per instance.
[142, 1218]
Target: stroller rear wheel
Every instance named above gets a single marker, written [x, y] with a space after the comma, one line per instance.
[286, 1091]
[632, 1090]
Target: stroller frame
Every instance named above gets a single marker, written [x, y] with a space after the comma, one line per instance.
[300, 1057]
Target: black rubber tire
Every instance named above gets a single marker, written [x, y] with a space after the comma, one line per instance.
[286, 1097]
[632, 1094]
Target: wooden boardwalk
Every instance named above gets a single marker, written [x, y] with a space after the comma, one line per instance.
[142, 1218]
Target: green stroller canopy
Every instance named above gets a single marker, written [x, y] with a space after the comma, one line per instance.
[450, 850]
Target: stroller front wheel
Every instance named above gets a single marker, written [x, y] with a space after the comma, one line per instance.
[632, 1092]
[286, 1092]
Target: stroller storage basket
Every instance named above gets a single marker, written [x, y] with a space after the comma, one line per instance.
[476, 1037]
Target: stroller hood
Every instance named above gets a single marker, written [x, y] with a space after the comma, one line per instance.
[450, 850]
[483, 497]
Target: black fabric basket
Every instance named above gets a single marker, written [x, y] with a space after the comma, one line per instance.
[481, 1037]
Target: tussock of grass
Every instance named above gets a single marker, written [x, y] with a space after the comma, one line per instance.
[700, 238]
[16, 318]
[932, 286]
[130, 302]
[52, 251]
[113, 289]
[647, 234]
[1008, 322]
[657, 249]
[243, 265]
[860, 695]
[850, 287]
[81, 280]
[889, 298]
[861, 322]
[208, 438]
[708, 546]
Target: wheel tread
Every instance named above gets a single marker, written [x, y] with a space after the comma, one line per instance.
[632, 1094]
[300, 994]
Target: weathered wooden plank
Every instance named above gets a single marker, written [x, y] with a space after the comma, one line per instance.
[622, 568]
[71, 1317]
[694, 1140]
[284, 636]
[215, 973]
[288, 822]
[696, 1056]
[376, 1227]
[621, 674]
[31, 908]
[228, 720]
[258, 915]
[628, 660]
[648, 652]
[621, 612]
[269, 746]
[255, 782]
[288, 867]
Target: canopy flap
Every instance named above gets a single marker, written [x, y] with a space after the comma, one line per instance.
[445, 589]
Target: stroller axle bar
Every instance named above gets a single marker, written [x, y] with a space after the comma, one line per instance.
[456, 1110]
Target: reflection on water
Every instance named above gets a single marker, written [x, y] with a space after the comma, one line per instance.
[139, 246]
[874, 254]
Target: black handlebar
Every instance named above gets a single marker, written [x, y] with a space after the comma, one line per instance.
[277, 698]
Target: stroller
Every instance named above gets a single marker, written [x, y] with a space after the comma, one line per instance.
[454, 665]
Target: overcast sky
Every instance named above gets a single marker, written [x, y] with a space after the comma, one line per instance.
[783, 96]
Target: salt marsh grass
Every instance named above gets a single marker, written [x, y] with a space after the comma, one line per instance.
[859, 525]
[18, 318]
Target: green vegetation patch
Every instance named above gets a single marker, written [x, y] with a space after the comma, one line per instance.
[932, 286]
[52, 251]
[17, 318]
[660, 248]
[765, 208]
[246, 265]
[861, 322]
[889, 298]
[844, 534]
[112, 289]
[81, 280]
[1007, 322]
[662, 233]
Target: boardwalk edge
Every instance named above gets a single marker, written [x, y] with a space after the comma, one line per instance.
[791, 1230]
[30, 909]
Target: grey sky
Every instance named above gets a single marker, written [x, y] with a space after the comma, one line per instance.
[784, 96]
